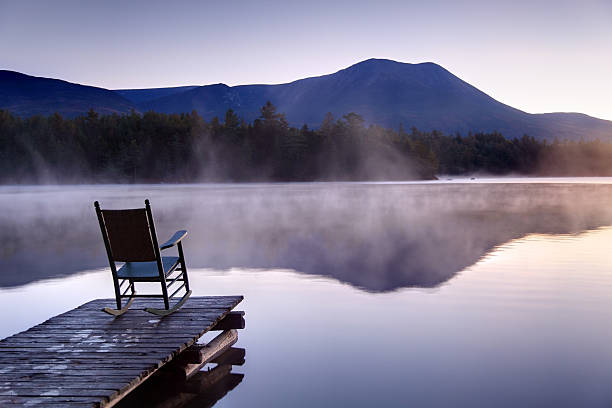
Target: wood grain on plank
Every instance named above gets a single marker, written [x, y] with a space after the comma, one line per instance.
[85, 358]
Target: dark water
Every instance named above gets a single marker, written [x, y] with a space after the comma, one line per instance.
[475, 294]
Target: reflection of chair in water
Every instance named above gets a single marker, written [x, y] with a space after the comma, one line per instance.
[129, 236]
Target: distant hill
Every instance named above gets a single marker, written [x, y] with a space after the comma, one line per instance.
[27, 95]
[387, 93]
[384, 92]
[570, 125]
[139, 96]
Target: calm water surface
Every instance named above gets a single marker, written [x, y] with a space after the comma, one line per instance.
[360, 294]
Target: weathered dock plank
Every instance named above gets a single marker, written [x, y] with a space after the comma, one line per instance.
[86, 358]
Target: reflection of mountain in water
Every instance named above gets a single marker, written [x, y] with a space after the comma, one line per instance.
[378, 237]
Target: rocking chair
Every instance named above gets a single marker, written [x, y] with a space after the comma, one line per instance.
[129, 236]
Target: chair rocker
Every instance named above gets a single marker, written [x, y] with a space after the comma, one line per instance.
[129, 236]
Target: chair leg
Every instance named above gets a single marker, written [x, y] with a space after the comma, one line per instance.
[183, 266]
[117, 290]
[165, 293]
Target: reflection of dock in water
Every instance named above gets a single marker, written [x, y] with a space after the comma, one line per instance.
[86, 358]
[202, 389]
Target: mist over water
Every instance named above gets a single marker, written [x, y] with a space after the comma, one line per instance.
[486, 293]
[378, 237]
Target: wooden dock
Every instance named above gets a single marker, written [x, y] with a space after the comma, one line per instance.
[87, 358]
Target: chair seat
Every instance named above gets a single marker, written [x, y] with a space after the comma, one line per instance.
[147, 270]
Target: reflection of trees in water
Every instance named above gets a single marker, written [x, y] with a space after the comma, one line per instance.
[378, 237]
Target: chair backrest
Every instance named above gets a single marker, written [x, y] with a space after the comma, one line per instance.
[129, 235]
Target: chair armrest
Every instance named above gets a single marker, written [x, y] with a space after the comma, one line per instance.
[174, 239]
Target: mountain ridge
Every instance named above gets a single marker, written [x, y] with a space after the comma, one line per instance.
[26, 95]
[139, 96]
[385, 92]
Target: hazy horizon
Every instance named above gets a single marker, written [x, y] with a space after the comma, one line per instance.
[538, 57]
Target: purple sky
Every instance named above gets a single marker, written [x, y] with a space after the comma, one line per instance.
[538, 56]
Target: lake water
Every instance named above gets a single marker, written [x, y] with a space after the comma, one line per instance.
[441, 294]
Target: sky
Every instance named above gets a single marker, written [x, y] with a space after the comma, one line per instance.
[537, 56]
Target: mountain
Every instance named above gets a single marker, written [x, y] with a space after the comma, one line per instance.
[139, 96]
[26, 95]
[387, 93]
[566, 125]
[384, 92]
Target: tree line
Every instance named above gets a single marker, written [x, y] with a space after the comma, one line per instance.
[157, 147]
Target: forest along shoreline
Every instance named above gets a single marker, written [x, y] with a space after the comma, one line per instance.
[157, 147]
